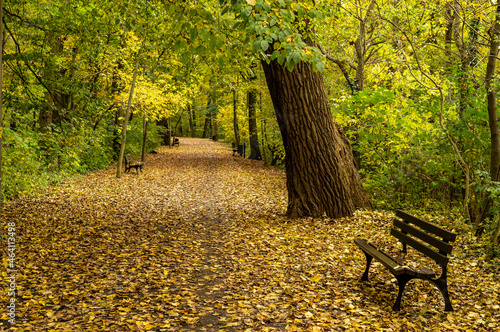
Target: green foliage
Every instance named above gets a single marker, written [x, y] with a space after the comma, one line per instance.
[23, 172]
[134, 137]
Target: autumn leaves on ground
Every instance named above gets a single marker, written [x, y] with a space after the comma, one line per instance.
[198, 242]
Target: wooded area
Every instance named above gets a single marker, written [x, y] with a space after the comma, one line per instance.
[200, 242]
[411, 83]
[370, 105]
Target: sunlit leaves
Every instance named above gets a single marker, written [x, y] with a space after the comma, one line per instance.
[279, 26]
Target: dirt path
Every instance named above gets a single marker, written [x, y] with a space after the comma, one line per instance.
[198, 242]
[142, 251]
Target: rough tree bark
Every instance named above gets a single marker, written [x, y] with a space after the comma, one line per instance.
[320, 169]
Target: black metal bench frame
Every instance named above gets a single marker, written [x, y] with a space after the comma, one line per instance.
[429, 239]
[129, 165]
[175, 141]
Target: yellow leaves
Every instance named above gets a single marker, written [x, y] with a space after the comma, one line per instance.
[252, 2]
[218, 246]
[316, 278]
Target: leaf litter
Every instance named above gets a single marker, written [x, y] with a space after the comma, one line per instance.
[199, 242]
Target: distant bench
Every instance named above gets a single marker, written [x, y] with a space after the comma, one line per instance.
[431, 240]
[239, 150]
[175, 141]
[129, 165]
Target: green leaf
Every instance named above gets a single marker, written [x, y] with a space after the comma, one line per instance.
[256, 46]
[319, 65]
[264, 45]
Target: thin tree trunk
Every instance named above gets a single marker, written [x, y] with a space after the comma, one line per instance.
[207, 125]
[215, 134]
[144, 137]
[252, 125]
[208, 120]
[235, 119]
[263, 141]
[320, 172]
[1, 99]
[491, 96]
[125, 120]
[191, 121]
[170, 132]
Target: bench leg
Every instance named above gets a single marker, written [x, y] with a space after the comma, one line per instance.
[442, 285]
[402, 281]
[368, 262]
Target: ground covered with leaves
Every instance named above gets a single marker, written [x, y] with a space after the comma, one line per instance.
[198, 242]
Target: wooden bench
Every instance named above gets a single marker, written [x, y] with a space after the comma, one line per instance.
[175, 141]
[432, 241]
[239, 151]
[129, 165]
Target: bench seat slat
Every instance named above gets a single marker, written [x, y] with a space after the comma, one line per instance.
[439, 258]
[385, 259]
[445, 247]
[446, 235]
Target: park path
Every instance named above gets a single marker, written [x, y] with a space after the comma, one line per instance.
[198, 242]
[148, 250]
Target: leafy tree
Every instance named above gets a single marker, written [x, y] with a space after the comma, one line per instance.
[321, 175]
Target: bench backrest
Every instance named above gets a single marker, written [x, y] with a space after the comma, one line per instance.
[127, 160]
[431, 240]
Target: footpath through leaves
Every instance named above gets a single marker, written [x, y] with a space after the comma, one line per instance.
[198, 242]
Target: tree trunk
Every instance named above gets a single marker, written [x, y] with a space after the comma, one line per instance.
[192, 130]
[320, 171]
[144, 137]
[207, 126]
[235, 119]
[492, 100]
[491, 97]
[215, 134]
[169, 136]
[263, 140]
[125, 120]
[1, 99]
[252, 125]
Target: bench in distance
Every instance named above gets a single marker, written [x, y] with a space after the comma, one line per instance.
[129, 165]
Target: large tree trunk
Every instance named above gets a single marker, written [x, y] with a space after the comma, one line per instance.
[1, 99]
[320, 171]
[252, 125]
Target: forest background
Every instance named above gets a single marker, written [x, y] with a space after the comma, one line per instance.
[413, 83]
